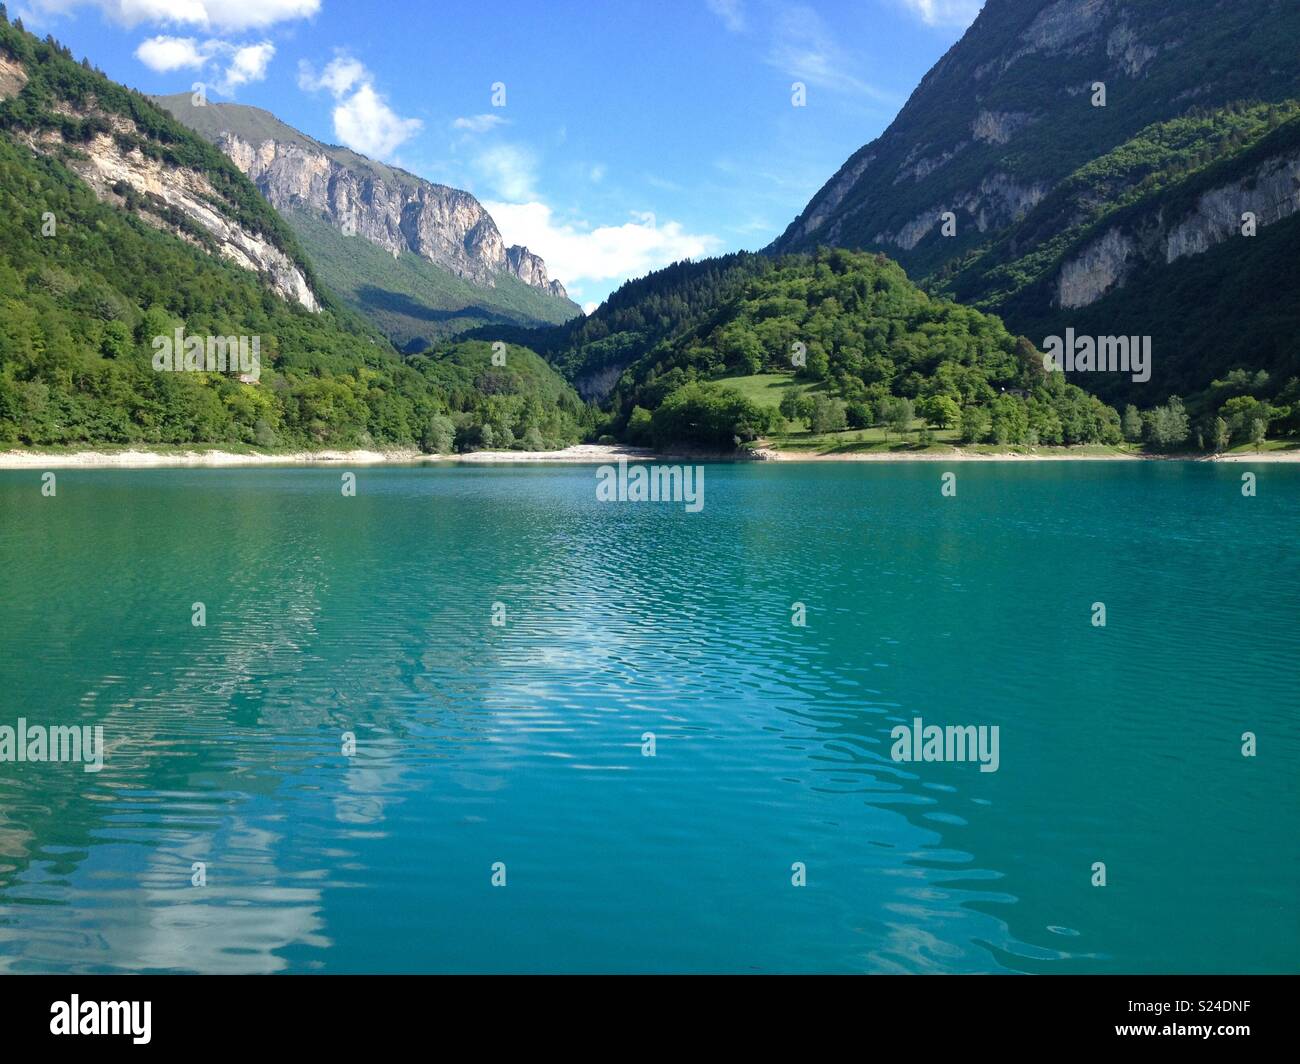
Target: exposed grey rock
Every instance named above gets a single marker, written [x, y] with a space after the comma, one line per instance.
[12, 77]
[397, 211]
[1271, 192]
[998, 127]
[104, 164]
[1062, 24]
[1131, 53]
[834, 194]
[1100, 267]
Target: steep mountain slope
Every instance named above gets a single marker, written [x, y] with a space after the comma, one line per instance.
[1057, 203]
[120, 229]
[132, 154]
[1008, 113]
[413, 302]
[1153, 182]
[1150, 240]
[436, 235]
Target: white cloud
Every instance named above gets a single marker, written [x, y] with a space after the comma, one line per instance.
[732, 13]
[805, 49]
[241, 64]
[478, 123]
[946, 12]
[606, 255]
[249, 63]
[208, 14]
[339, 76]
[362, 118]
[365, 123]
[165, 54]
[509, 170]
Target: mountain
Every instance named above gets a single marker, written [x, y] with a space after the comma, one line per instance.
[134, 156]
[423, 261]
[120, 228]
[1150, 235]
[867, 340]
[1057, 203]
[593, 350]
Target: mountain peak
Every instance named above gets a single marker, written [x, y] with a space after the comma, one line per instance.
[363, 197]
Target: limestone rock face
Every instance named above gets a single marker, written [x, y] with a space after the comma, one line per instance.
[1102, 265]
[12, 77]
[530, 269]
[397, 211]
[1015, 108]
[107, 167]
[1271, 192]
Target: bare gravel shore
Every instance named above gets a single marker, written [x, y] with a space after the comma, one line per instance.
[133, 459]
[588, 453]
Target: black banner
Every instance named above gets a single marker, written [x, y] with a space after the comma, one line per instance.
[1224, 1014]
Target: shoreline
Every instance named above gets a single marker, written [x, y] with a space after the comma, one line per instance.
[959, 455]
[216, 458]
[578, 454]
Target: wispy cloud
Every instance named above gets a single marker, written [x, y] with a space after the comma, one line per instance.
[211, 15]
[363, 120]
[478, 123]
[945, 12]
[237, 64]
[804, 48]
[732, 13]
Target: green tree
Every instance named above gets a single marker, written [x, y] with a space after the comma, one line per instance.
[1132, 424]
[640, 427]
[1258, 432]
[1222, 437]
[828, 415]
[860, 415]
[899, 415]
[939, 410]
[790, 406]
[975, 424]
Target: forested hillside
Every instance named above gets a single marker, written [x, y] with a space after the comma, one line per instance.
[93, 276]
[593, 350]
[1116, 167]
[852, 324]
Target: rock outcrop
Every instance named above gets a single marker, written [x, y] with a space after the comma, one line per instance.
[12, 77]
[388, 207]
[1018, 103]
[111, 169]
[1269, 193]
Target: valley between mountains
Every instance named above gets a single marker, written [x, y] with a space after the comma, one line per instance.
[1117, 171]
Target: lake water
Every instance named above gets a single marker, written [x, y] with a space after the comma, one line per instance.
[523, 743]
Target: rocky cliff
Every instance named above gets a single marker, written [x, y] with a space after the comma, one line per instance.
[1263, 196]
[1032, 92]
[122, 163]
[386, 206]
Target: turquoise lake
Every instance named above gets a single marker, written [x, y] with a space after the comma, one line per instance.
[523, 743]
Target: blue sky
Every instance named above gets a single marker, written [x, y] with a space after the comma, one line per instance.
[633, 132]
